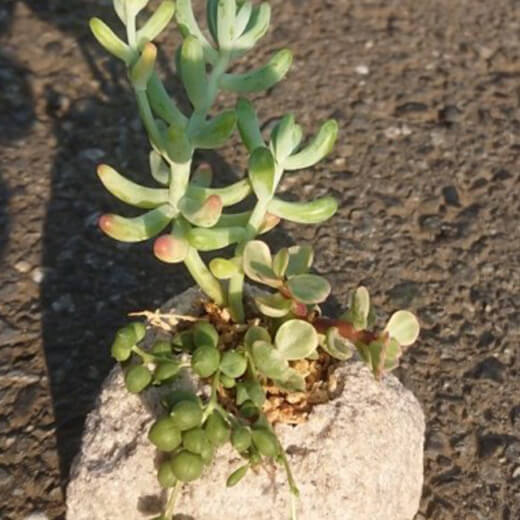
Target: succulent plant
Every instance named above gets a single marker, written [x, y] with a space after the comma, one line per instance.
[185, 216]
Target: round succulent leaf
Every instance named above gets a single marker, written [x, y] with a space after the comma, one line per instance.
[124, 341]
[139, 329]
[292, 382]
[195, 440]
[256, 333]
[392, 355]
[268, 360]
[300, 260]
[233, 364]
[137, 378]
[281, 262]
[309, 288]
[187, 466]
[217, 430]
[204, 333]
[166, 370]
[404, 327]
[257, 263]
[250, 390]
[295, 339]
[186, 415]
[241, 438]
[237, 476]
[164, 435]
[161, 347]
[184, 341]
[165, 474]
[223, 269]
[273, 305]
[205, 360]
[265, 442]
[337, 346]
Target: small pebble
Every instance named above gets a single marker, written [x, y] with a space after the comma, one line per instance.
[22, 266]
[362, 70]
[37, 275]
[36, 516]
[516, 472]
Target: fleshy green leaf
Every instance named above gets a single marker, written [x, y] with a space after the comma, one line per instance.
[309, 288]
[130, 192]
[143, 69]
[262, 173]
[229, 195]
[316, 150]
[215, 238]
[237, 475]
[226, 11]
[256, 28]
[233, 364]
[281, 262]
[242, 19]
[292, 382]
[337, 346]
[295, 339]
[248, 125]
[257, 263]
[359, 310]
[139, 228]
[404, 327]
[203, 213]
[255, 333]
[215, 132]
[282, 138]
[113, 44]
[223, 269]
[156, 23]
[249, 390]
[260, 79]
[162, 104]
[129, 8]
[204, 333]
[193, 71]
[185, 18]
[268, 360]
[159, 169]
[313, 212]
[174, 247]
[300, 260]
[273, 305]
[177, 144]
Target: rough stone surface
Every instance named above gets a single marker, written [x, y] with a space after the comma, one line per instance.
[358, 457]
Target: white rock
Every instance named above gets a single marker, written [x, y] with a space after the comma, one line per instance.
[22, 266]
[359, 457]
[362, 70]
[36, 516]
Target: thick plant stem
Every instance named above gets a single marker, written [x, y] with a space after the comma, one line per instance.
[201, 274]
[174, 495]
[236, 297]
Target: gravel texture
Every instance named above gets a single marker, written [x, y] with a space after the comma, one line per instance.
[426, 95]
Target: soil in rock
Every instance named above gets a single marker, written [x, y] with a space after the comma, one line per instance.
[427, 98]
